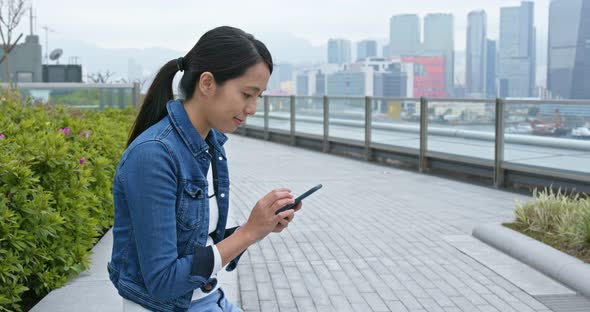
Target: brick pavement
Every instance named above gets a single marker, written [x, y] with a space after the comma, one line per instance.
[370, 240]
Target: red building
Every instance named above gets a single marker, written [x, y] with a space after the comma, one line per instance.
[429, 75]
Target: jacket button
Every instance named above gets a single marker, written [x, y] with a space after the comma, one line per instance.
[222, 195]
[220, 158]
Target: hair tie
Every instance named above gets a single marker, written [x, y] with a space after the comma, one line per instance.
[180, 63]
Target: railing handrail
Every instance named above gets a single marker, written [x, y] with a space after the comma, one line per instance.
[68, 85]
[507, 101]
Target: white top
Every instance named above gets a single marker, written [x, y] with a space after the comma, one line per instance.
[213, 218]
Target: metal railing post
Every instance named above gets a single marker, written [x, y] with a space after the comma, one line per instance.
[423, 161]
[368, 125]
[499, 144]
[326, 147]
[266, 109]
[292, 109]
[121, 98]
[136, 95]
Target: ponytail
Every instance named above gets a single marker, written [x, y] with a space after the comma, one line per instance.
[153, 108]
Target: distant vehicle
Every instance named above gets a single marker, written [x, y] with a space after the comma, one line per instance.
[582, 132]
[548, 129]
[521, 128]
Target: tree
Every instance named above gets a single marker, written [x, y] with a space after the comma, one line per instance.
[11, 12]
[100, 77]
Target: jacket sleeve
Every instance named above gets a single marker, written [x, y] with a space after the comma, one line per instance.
[150, 182]
[234, 263]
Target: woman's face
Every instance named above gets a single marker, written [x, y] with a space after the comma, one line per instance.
[236, 99]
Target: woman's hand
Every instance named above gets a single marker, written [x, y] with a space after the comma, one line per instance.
[284, 223]
[262, 219]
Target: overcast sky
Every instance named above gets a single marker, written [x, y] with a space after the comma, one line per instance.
[178, 24]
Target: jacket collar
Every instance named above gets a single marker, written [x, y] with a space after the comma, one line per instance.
[189, 135]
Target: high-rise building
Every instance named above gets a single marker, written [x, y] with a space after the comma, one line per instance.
[365, 49]
[303, 85]
[492, 56]
[404, 35]
[516, 52]
[428, 76]
[476, 54]
[348, 84]
[439, 40]
[391, 84]
[568, 68]
[339, 51]
[281, 72]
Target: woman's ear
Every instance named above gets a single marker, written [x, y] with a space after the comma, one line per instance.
[207, 84]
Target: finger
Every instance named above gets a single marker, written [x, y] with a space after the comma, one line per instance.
[285, 214]
[281, 203]
[298, 206]
[289, 219]
[283, 224]
[273, 196]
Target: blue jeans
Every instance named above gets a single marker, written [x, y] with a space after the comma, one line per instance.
[215, 302]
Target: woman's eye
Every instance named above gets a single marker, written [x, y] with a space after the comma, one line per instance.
[246, 95]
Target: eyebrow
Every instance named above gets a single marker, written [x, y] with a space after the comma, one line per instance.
[255, 89]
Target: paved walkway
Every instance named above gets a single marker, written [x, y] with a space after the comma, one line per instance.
[375, 238]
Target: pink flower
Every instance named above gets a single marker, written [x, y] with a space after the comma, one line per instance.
[82, 160]
[2, 136]
[66, 131]
[85, 134]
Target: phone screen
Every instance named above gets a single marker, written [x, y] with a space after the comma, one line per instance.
[299, 198]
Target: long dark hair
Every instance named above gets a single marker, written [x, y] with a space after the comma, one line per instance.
[225, 51]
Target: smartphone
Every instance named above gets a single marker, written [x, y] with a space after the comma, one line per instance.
[299, 198]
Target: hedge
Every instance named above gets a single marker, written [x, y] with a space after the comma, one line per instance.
[56, 171]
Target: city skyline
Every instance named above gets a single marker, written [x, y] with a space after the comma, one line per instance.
[157, 25]
[455, 8]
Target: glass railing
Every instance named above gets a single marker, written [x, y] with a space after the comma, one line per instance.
[279, 112]
[309, 115]
[548, 134]
[347, 118]
[536, 134]
[81, 95]
[396, 122]
[462, 127]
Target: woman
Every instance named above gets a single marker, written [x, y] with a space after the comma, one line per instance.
[171, 188]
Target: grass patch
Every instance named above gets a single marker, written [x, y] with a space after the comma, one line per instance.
[557, 219]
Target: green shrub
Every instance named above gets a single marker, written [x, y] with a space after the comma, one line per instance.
[558, 218]
[56, 171]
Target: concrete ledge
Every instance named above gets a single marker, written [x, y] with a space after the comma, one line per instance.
[92, 290]
[562, 267]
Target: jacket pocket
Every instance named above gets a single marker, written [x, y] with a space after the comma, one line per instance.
[193, 202]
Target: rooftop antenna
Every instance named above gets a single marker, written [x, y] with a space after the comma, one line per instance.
[47, 30]
[55, 55]
[31, 19]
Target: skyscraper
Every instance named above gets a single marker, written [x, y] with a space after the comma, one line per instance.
[339, 51]
[568, 68]
[492, 56]
[476, 57]
[404, 35]
[439, 40]
[516, 53]
[366, 48]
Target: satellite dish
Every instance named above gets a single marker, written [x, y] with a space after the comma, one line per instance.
[56, 54]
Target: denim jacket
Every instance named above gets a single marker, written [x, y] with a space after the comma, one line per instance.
[162, 213]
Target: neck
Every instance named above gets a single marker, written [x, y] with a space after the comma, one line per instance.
[197, 118]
